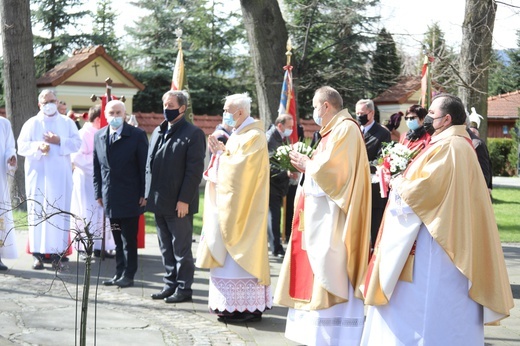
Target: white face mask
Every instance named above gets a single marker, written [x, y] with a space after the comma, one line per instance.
[49, 109]
[315, 115]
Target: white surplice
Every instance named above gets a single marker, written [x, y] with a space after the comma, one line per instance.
[48, 180]
[84, 203]
[340, 324]
[433, 309]
[8, 247]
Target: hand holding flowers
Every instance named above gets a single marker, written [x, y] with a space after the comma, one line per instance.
[292, 158]
[393, 161]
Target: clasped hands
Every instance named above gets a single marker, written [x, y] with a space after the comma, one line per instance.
[299, 161]
[215, 145]
[49, 138]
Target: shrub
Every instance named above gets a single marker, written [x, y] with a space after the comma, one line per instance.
[499, 151]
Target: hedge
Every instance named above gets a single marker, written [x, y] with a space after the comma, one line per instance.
[500, 149]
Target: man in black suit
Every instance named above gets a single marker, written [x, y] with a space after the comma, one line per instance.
[119, 182]
[375, 135]
[277, 135]
[173, 174]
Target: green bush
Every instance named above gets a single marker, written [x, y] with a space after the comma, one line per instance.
[499, 151]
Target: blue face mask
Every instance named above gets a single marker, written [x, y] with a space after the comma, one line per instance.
[115, 122]
[413, 124]
[287, 132]
[171, 114]
[228, 119]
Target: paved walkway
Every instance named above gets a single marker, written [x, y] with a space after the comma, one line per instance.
[39, 308]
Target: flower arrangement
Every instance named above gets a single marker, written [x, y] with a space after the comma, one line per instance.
[281, 160]
[394, 160]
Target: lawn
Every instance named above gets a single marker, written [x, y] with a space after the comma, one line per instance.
[506, 203]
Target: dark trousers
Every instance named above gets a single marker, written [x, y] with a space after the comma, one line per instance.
[275, 212]
[124, 231]
[378, 209]
[175, 237]
[289, 211]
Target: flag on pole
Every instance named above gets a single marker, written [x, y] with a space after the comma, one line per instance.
[287, 97]
[426, 82]
[179, 80]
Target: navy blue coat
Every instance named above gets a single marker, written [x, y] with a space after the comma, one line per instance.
[119, 171]
[174, 167]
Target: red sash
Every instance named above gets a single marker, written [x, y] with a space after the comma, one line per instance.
[301, 275]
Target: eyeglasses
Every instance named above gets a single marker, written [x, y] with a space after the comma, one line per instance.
[410, 118]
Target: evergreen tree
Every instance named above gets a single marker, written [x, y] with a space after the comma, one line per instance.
[330, 37]
[514, 65]
[386, 64]
[499, 81]
[214, 65]
[442, 67]
[103, 31]
[56, 19]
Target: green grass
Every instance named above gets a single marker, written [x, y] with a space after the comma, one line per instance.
[506, 203]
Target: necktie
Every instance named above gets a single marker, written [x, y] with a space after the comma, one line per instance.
[113, 138]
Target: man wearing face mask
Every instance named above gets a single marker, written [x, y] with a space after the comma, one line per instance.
[438, 272]
[233, 244]
[328, 252]
[277, 135]
[173, 174]
[375, 135]
[47, 140]
[119, 184]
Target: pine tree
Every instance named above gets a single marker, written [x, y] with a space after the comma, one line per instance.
[331, 39]
[56, 19]
[103, 31]
[444, 59]
[214, 65]
[386, 64]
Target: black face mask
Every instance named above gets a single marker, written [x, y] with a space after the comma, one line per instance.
[171, 114]
[362, 119]
[428, 125]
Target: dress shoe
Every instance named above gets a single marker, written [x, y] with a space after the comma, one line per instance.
[112, 281]
[165, 293]
[177, 297]
[124, 282]
[37, 264]
[240, 317]
[3, 266]
[280, 253]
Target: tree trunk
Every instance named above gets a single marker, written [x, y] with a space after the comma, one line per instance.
[19, 75]
[267, 37]
[475, 55]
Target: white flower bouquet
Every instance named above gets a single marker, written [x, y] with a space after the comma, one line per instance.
[281, 160]
[394, 160]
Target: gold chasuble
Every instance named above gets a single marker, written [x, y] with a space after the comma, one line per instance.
[333, 235]
[445, 188]
[242, 203]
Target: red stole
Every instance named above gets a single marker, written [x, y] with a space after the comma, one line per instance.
[301, 275]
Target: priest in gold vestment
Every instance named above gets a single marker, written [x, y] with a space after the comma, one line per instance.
[329, 246]
[234, 238]
[438, 272]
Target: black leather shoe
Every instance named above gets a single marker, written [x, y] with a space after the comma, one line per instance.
[3, 266]
[177, 297]
[37, 264]
[112, 281]
[124, 282]
[165, 293]
[280, 253]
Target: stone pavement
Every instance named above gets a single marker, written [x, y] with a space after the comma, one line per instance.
[39, 307]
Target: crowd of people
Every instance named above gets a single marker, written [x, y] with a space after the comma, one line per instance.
[425, 259]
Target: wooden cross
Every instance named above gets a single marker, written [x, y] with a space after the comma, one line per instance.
[95, 66]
